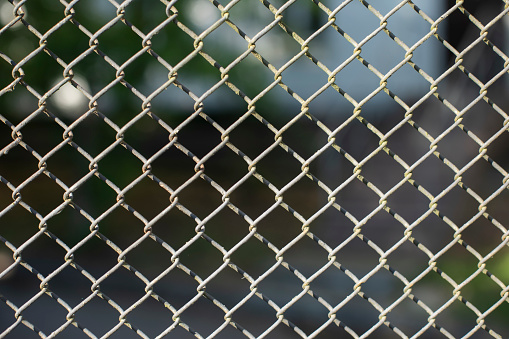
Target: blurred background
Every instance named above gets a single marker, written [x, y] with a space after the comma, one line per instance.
[95, 116]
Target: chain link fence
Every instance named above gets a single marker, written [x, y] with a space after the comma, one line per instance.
[259, 169]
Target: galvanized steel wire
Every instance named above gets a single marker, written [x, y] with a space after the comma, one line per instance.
[223, 199]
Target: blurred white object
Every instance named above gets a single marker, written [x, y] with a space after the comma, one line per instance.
[7, 15]
[69, 100]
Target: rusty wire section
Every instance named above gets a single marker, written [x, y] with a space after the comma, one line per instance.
[431, 324]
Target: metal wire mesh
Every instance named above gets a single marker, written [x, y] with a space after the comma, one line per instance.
[184, 175]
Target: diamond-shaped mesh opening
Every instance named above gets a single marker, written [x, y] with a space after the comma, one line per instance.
[37, 265]
[149, 248]
[95, 257]
[41, 78]
[18, 233]
[147, 187]
[443, 177]
[362, 264]
[408, 259]
[431, 291]
[209, 14]
[44, 320]
[474, 120]
[138, 14]
[93, 73]
[69, 226]
[19, 276]
[413, 206]
[392, 55]
[163, 168]
[433, 233]
[227, 228]
[483, 73]
[204, 308]
[111, 227]
[382, 111]
[259, 17]
[305, 147]
[122, 297]
[406, 16]
[42, 124]
[251, 76]
[482, 285]
[465, 316]
[205, 204]
[18, 105]
[331, 167]
[267, 227]
[447, 263]
[149, 145]
[93, 20]
[16, 51]
[352, 28]
[359, 303]
[253, 248]
[279, 167]
[281, 276]
[293, 74]
[16, 176]
[215, 42]
[114, 157]
[119, 51]
[91, 187]
[301, 262]
[71, 286]
[167, 282]
[413, 315]
[383, 181]
[136, 73]
[333, 285]
[409, 154]
[150, 326]
[31, 194]
[68, 34]
[453, 210]
[460, 96]
[385, 229]
[331, 228]
[49, 15]
[420, 84]
[276, 168]
[483, 236]
[202, 246]
[167, 50]
[308, 324]
[264, 314]
[361, 87]
[421, 58]
[358, 199]
[308, 191]
[357, 141]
